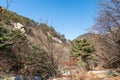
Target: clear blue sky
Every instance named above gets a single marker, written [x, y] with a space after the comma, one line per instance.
[69, 17]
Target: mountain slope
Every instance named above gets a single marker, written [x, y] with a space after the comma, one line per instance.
[41, 52]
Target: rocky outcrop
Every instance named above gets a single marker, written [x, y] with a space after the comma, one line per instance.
[54, 38]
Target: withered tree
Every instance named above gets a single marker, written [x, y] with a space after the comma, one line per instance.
[107, 28]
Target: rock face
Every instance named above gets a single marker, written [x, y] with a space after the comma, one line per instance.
[54, 38]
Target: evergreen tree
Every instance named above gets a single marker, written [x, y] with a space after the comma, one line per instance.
[5, 38]
[82, 48]
[13, 45]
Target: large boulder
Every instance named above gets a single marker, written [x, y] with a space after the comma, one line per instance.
[96, 75]
[9, 78]
[113, 78]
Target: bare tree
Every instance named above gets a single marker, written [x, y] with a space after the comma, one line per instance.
[107, 28]
[8, 3]
[46, 52]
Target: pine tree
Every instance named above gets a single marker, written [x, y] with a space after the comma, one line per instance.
[5, 38]
[82, 48]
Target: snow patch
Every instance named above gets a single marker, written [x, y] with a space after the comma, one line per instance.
[19, 26]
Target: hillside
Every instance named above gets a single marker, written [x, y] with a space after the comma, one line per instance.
[28, 46]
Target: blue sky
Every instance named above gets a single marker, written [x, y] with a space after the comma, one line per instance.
[69, 17]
